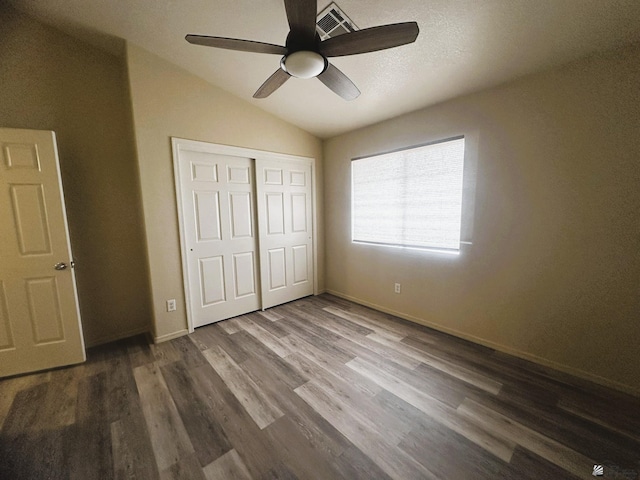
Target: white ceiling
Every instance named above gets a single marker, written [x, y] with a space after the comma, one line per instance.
[463, 46]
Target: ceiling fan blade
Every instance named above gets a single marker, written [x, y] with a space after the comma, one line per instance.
[236, 44]
[339, 83]
[370, 39]
[301, 15]
[272, 83]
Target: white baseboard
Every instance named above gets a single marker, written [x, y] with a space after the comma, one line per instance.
[623, 387]
[170, 336]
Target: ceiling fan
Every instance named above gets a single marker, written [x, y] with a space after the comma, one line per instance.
[305, 56]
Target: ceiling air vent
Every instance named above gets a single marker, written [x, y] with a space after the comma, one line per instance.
[332, 22]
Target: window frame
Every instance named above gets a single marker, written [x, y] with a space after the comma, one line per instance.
[463, 200]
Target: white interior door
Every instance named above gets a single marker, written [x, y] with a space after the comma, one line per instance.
[286, 236]
[218, 231]
[39, 317]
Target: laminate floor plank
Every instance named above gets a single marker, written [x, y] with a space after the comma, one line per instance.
[230, 343]
[317, 370]
[319, 388]
[299, 342]
[279, 472]
[10, 387]
[239, 427]
[575, 433]
[132, 450]
[448, 454]
[229, 465]
[189, 355]
[323, 319]
[462, 373]
[58, 408]
[296, 322]
[264, 336]
[607, 412]
[298, 453]
[528, 394]
[552, 451]
[418, 379]
[231, 325]
[455, 349]
[526, 465]
[54, 415]
[122, 391]
[401, 327]
[499, 446]
[206, 434]
[355, 464]
[318, 432]
[165, 353]
[352, 399]
[328, 300]
[599, 419]
[131, 446]
[98, 357]
[270, 315]
[441, 386]
[356, 345]
[169, 437]
[529, 373]
[394, 462]
[383, 330]
[330, 364]
[254, 349]
[139, 350]
[374, 418]
[20, 440]
[272, 326]
[338, 325]
[186, 468]
[87, 444]
[258, 405]
[204, 337]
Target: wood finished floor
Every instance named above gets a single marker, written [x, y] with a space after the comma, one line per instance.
[319, 388]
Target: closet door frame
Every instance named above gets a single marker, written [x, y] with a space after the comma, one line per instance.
[194, 145]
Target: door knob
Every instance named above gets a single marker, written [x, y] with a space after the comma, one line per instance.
[60, 266]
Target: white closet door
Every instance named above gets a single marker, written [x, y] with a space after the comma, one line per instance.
[219, 234]
[286, 238]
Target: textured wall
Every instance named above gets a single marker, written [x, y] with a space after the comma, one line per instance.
[50, 81]
[552, 212]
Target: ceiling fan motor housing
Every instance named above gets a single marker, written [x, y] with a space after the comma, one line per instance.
[304, 64]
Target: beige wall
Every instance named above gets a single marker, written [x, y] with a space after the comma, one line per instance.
[168, 101]
[553, 273]
[51, 81]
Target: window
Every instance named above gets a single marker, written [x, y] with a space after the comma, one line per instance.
[409, 198]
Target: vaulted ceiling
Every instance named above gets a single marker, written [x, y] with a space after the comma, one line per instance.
[463, 46]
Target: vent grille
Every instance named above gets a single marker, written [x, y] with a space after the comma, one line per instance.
[332, 22]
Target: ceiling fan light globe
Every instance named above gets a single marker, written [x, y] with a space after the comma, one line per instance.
[304, 64]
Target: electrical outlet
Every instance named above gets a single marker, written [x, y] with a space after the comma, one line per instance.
[171, 305]
[396, 288]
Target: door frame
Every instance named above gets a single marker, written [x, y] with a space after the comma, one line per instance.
[178, 144]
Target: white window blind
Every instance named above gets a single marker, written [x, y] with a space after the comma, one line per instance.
[410, 198]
